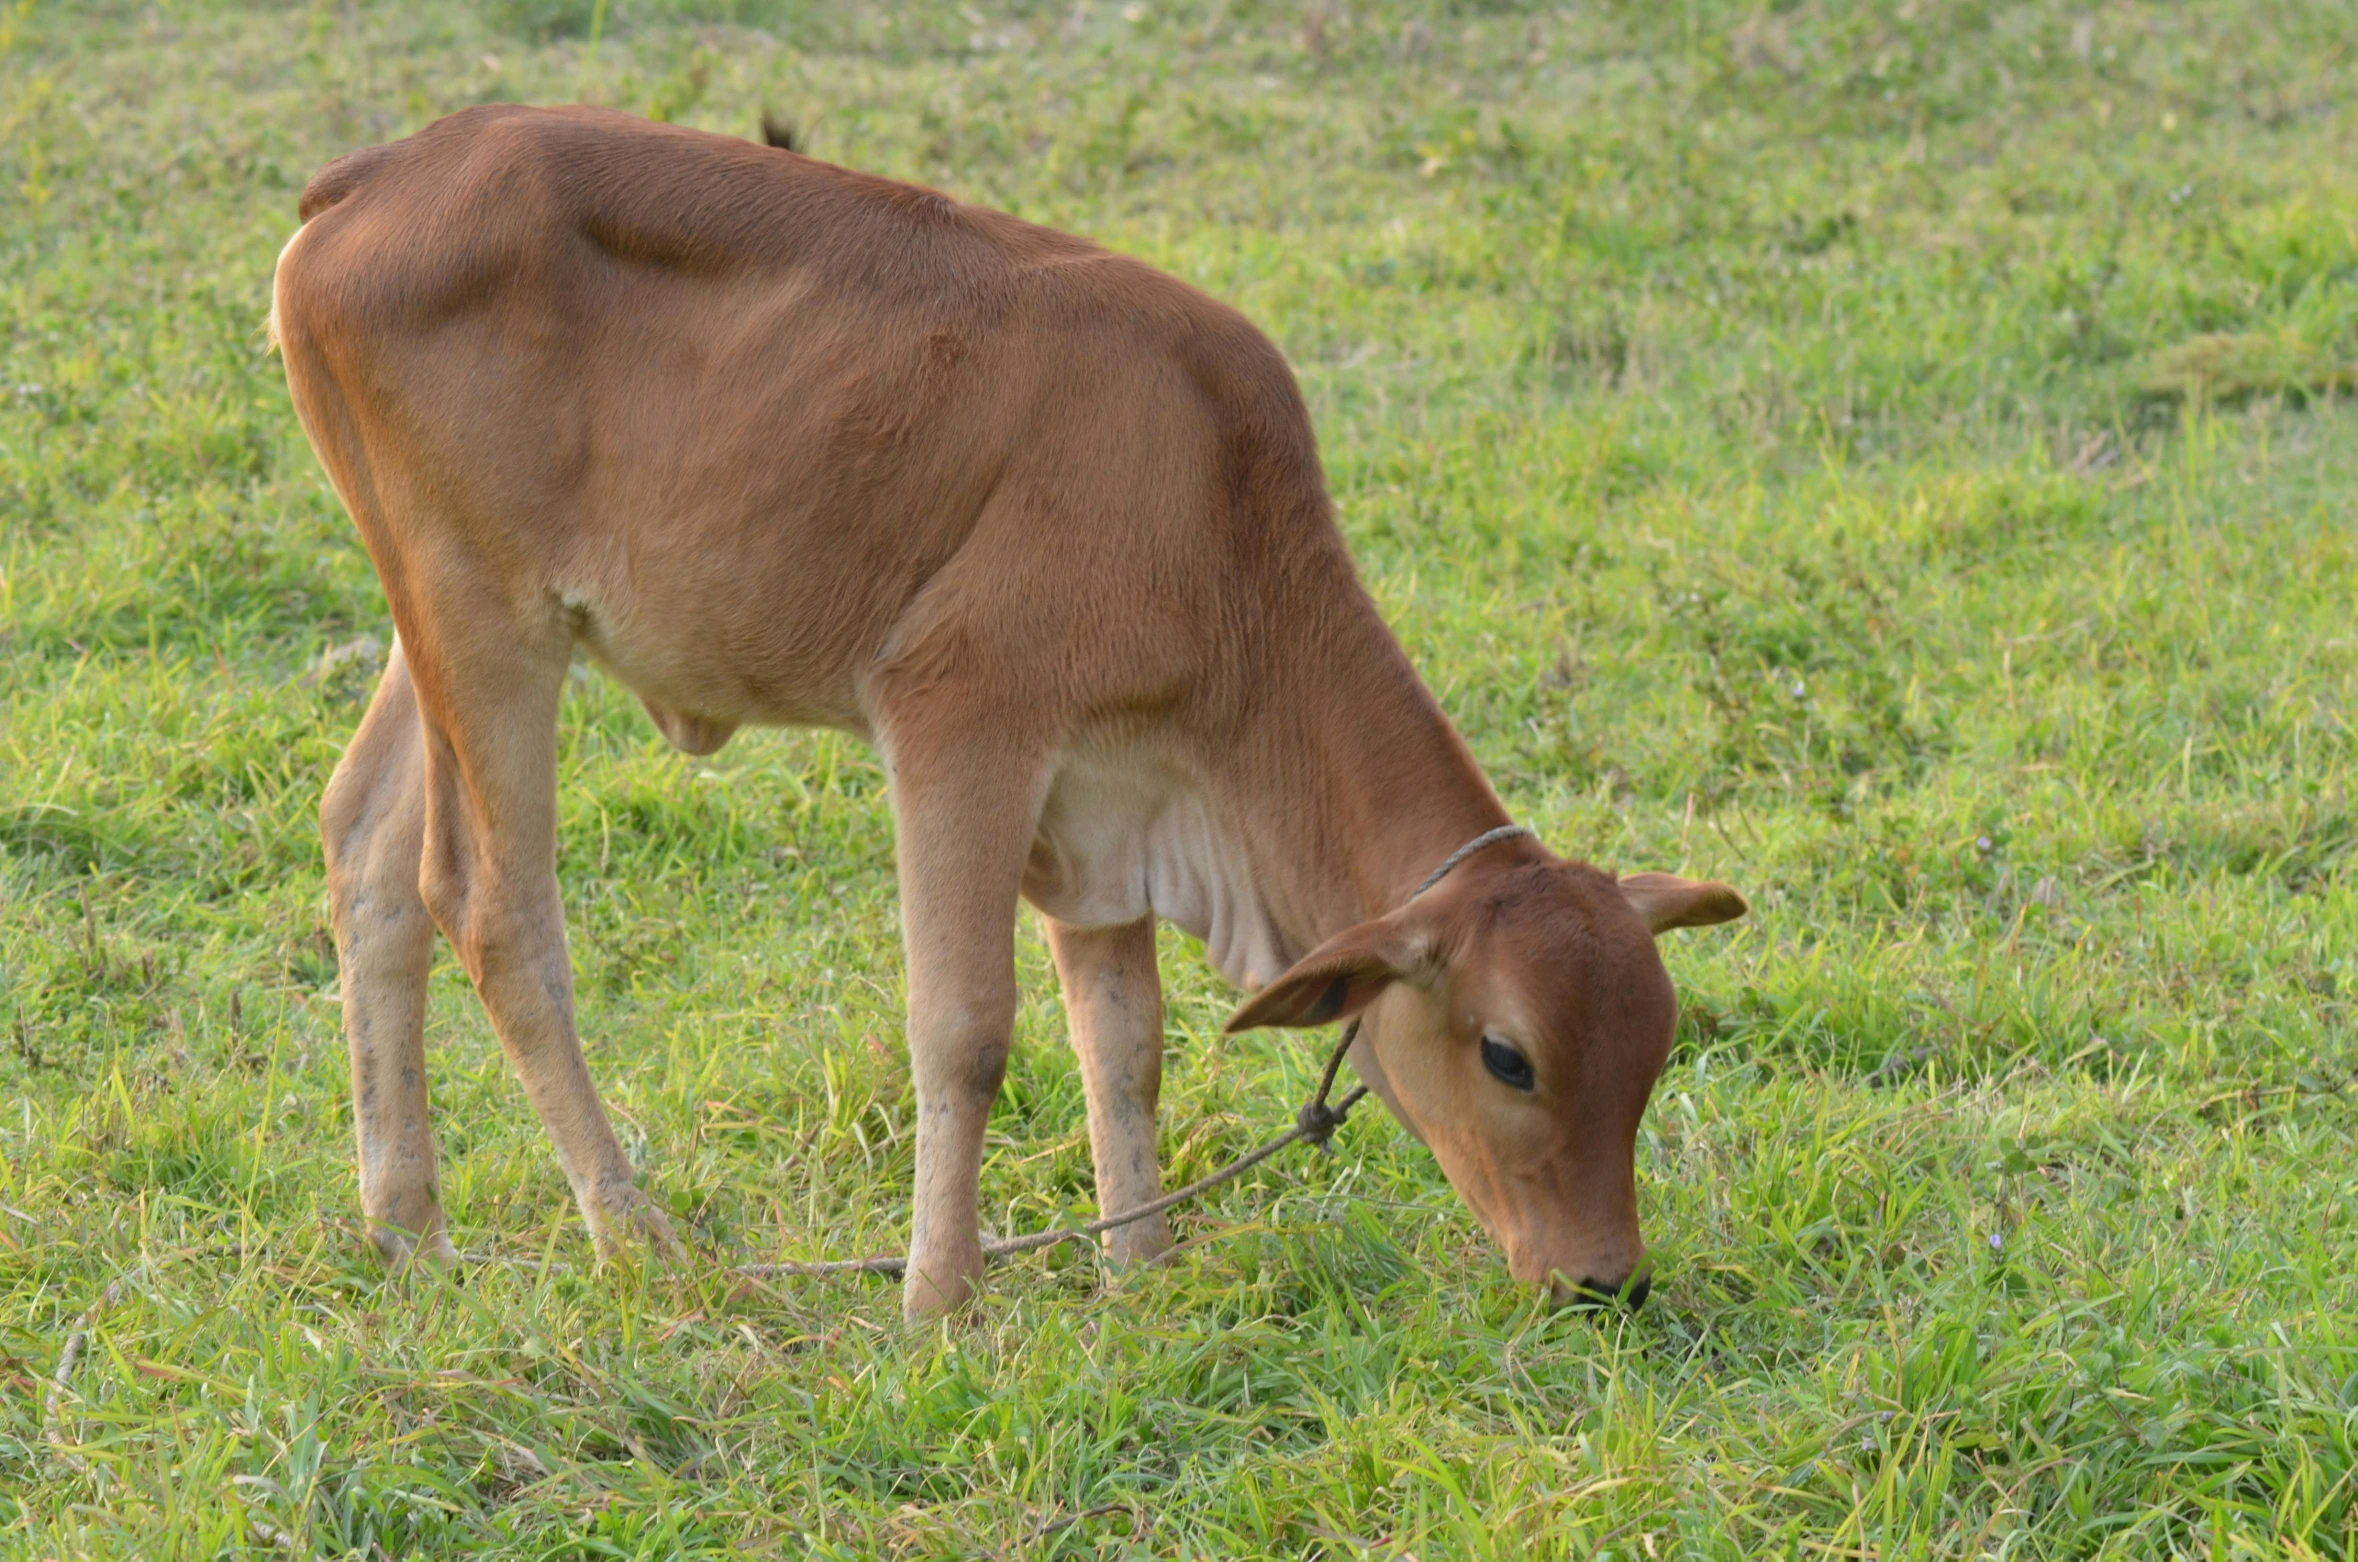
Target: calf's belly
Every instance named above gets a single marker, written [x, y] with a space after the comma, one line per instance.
[707, 657]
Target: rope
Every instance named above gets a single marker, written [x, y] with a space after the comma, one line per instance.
[1315, 1123]
[1505, 832]
[53, 1428]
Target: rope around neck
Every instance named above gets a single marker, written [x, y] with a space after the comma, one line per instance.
[1505, 832]
[1315, 1123]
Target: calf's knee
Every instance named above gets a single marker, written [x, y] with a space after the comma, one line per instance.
[490, 931]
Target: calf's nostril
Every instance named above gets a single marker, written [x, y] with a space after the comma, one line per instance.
[1589, 1295]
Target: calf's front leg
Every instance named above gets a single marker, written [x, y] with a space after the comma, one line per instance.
[1113, 996]
[965, 804]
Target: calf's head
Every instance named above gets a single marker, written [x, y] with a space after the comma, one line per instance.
[1514, 1018]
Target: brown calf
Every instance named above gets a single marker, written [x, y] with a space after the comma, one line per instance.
[778, 442]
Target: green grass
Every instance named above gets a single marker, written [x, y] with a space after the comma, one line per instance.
[1896, 457]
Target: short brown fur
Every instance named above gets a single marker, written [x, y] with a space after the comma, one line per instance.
[778, 442]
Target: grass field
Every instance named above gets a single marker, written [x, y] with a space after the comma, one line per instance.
[1899, 458]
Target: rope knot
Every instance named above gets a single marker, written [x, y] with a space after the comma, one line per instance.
[1317, 1122]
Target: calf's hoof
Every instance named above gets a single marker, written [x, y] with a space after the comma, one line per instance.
[934, 1288]
[1140, 1245]
[626, 1227]
[401, 1249]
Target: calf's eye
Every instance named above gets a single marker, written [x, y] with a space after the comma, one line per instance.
[1511, 1067]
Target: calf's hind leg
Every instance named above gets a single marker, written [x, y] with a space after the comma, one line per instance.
[489, 877]
[373, 823]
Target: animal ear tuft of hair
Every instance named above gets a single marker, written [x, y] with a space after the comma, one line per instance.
[779, 131]
[1337, 979]
[1666, 901]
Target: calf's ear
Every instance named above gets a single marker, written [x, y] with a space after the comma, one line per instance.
[1337, 979]
[1666, 901]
